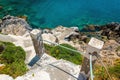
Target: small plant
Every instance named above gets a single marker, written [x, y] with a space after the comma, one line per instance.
[33, 75]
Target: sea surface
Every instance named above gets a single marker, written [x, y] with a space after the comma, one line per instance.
[51, 13]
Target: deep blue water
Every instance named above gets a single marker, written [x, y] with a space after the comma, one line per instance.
[51, 13]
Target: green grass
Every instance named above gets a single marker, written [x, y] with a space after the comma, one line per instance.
[13, 57]
[114, 71]
[61, 53]
[118, 48]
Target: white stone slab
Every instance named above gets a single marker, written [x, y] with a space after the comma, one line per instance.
[94, 45]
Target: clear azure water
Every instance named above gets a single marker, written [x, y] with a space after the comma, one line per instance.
[51, 13]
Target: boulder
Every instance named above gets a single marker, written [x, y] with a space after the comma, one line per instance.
[63, 33]
[72, 35]
[76, 29]
[14, 25]
[1, 7]
[49, 37]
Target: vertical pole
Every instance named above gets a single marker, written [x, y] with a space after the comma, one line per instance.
[85, 69]
[91, 70]
[38, 45]
[93, 48]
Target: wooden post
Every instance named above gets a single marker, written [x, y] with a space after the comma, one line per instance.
[93, 48]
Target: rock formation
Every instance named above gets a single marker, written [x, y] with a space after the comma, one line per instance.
[18, 31]
[14, 25]
[31, 40]
[111, 30]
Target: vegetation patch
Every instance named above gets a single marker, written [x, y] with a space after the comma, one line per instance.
[118, 48]
[62, 53]
[13, 57]
[114, 71]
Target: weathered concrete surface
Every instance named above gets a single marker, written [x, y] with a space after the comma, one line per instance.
[48, 68]
[57, 69]
[37, 41]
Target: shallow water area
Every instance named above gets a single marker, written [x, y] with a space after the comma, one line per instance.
[51, 13]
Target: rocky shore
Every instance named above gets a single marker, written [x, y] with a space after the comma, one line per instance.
[20, 33]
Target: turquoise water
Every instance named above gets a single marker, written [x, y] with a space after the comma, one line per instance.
[51, 13]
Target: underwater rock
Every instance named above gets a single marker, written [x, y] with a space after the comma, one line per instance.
[23, 17]
[90, 28]
[1, 7]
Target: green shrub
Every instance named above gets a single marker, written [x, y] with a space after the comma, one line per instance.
[13, 57]
[100, 73]
[118, 48]
[13, 54]
[48, 48]
[15, 69]
[61, 53]
[115, 70]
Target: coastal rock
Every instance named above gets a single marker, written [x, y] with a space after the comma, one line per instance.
[63, 32]
[19, 32]
[14, 25]
[108, 53]
[66, 35]
[47, 31]
[111, 31]
[76, 29]
[48, 37]
[72, 36]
